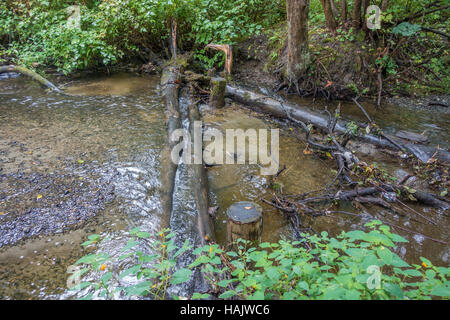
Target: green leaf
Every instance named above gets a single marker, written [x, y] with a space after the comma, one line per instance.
[413, 273]
[106, 277]
[131, 243]
[385, 254]
[180, 276]
[228, 294]
[131, 271]
[302, 285]
[224, 283]
[139, 289]
[394, 289]
[273, 273]
[197, 296]
[406, 29]
[441, 291]
[397, 238]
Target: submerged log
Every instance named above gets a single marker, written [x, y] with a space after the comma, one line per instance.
[200, 184]
[244, 221]
[265, 104]
[31, 74]
[170, 88]
[217, 97]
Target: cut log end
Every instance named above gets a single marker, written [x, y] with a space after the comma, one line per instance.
[244, 221]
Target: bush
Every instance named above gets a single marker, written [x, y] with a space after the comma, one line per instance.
[35, 31]
[355, 265]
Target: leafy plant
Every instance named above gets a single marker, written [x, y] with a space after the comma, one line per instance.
[153, 272]
[406, 29]
[354, 265]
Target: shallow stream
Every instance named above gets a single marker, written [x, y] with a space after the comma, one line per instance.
[89, 163]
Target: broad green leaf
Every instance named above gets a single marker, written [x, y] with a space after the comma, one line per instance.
[180, 276]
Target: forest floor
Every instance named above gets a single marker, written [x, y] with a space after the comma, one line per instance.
[341, 68]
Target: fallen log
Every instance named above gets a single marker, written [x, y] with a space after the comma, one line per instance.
[200, 184]
[31, 74]
[421, 196]
[266, 104]
[170, 87]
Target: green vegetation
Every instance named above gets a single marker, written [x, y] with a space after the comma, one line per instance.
[35, 31]
[355, 265]
[409, 50]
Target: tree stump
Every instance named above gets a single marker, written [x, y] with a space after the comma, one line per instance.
[244, 221]
[217, 97]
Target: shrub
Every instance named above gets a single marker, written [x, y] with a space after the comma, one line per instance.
[355, 265]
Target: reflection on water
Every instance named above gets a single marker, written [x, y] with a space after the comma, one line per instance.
[89, 163]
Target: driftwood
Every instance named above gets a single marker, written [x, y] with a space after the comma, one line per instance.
[265, 104]
[170, 87]
[31, 74]
[421, 196]
[200, 184]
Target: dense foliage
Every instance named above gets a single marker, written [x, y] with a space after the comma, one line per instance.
[354, 265]
[35, 31]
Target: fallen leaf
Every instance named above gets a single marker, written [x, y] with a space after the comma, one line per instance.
[307, 152]
[247, 208]
[39, 196]
[2, 213]
[80, 161]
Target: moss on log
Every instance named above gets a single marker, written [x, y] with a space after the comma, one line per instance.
[217, 97]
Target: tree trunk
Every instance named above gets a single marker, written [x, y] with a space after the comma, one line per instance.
[335, 9]
[298, 51]
[357, 14]
[344, 10]
[365, 5]
[329, 16]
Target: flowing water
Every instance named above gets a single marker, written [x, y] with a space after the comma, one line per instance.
[89, 163]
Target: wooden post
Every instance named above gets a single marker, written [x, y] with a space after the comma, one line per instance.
[244, 221]
[217, 97]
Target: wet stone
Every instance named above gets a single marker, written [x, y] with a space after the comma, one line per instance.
[414, 137]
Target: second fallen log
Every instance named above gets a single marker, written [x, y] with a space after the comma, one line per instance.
[217, 97]
[244, 221]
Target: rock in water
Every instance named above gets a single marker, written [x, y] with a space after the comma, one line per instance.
[414, 137]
